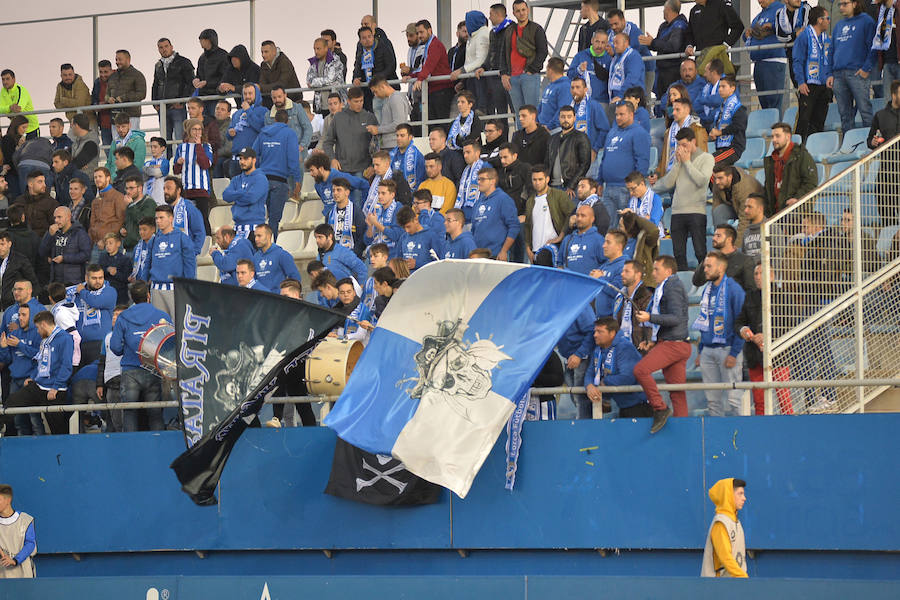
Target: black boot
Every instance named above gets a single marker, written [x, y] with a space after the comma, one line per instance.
[659, 419]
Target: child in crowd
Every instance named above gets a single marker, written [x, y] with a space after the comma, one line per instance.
[139, 266]
[155, 170]
[116, 265]
[378, 258]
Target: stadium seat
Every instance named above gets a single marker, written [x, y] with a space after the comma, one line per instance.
[291, 210]
[761, 176]
[711, 147]
[665, 246]
[820, 171]
[879, 103]
[657, 128]
[207, 243]
[219, 185]
[308, 188]
[853, 147]
[759, 122]
[309, 251]
[831, 207]
[868, 204]
[886, 240]
[654, 158]
[693, 313]
[822, 144]
[310, 214]
[292, 241]
[839, 167]
[755, 150]
[220, 215]
[208, 273]
[833, 118]
[758, 162]
[422, 144]
[790, 116]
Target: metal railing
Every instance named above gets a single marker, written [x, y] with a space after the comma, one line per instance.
[831, 287]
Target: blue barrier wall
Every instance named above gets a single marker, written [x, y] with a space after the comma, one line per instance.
[817, 483]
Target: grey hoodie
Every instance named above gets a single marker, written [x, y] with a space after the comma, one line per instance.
[88, 160]
[347, 139]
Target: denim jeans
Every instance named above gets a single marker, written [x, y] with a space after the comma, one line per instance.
[721, 403]
[525, 89]
[723, 213]
[768, 75]
[575, 378]
[615, 198]
[889, 73]
[278, 195]
[175, 123]
[106, 135]
[851, 92]
[139, 385]
[32, 424]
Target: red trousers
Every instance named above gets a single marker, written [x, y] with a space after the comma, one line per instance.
[785, 406]
[672, 358]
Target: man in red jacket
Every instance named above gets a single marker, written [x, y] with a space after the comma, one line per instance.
[440, 93]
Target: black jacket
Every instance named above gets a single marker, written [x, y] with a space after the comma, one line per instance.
[74, 246]
[515, 180]
[671, 39]
[247, 73]
[740, 268]
[642, 297]
[212, 65]
[385, 62]
[452, 165]
[532, 147]
[498, 51]
[174, 82]
[123, 174]
[738, 128]
[63, 178]
[574, 151]
[456, 56]
[714, 24]
[887, 121]
[751, 316]
[18, 267]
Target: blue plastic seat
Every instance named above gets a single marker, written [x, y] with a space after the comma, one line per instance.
[711, 147]
[820, 171]
[654, 158]
[755, 150]
[759, 122]
[839, 167]
[665, 247]
[761, 176]
[758, 163]
[822, 144]
[833, 118]
[790, 116]
[878, 104]
[853, 146]
[657, 128]
[832, 210]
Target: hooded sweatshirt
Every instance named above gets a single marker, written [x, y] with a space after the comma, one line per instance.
[84, 151]
[556, 95]
[247, 123]
[720, 557]
[211, 66]
[460, 246]
[248, 72]
[135, 141]
[279, 151]
[626, 150]
[248, 193]
[130, 327]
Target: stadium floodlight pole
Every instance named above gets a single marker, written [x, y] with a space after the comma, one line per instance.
[252, 7]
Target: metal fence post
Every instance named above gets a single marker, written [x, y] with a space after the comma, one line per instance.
[425, 108]
[859, 330]
[163, 119]
[768, 322]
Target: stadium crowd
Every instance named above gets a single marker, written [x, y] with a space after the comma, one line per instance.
[98, 221]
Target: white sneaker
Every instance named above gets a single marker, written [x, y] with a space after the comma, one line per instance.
[273, 422]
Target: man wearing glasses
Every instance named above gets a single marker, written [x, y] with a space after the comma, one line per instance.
[495, 220]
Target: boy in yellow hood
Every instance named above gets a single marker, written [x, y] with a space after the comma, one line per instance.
[725, 552]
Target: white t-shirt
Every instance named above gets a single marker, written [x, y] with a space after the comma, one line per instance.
[113, 365]
[542, 229]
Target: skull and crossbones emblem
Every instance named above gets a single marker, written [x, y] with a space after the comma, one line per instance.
[382, 475]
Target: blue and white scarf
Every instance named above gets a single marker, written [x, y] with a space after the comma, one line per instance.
[385, 216]
[709, 89]
[589, 201]
[785, 27]
[226, 275]
[818, 55]
[458, 128]
[406, 164]
[468, 192]
[729, 107]
[605, 366]
[368, 295]
[581, 114]
[92, 316]
[368, 61]
[140, 258]
[421, 56]
[372, 196]
[884, 29]
[553, 249]
[617, 71]
[181, 216]
[343, 230]
[673, 143]
[360, 313]
[717, 309]
[506, 23]
[654, 305]
[625, 307]
[44, 354]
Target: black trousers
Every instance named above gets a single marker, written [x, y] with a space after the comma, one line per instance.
[439, 104]
[498, 100]
[684, 225]
[638, 411]
[812, 110]
[32, 395]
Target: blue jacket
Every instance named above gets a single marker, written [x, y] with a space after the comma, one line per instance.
[256, 285]
[594, 124]
[58, 362]
[578, 338]
[623, 357]
[642, 118]
[634, 74]
[19, 358]
[852, 39]
[459, 247]
[274, 266]
[802, 61]
[625, 150]
[96, 309]
[297, 121]
[226, 262]
[733, 305]
[555, 96]
[323, 189]
[247, 124]
[599, 89]
[418, 175]
[130, 327]
[171, 255]
[343, 262]
[708, 104]
[582, 252]
[765, 17]
[694, 89]
[419, 245]
[432, 219]
[612, 274]
[279, 151]
[248, 193]
[12, 313]
[495, 218]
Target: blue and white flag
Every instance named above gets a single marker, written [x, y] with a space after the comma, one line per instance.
[457, 346]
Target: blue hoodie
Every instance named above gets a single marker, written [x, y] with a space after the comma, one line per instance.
[555, 96]
[733, 305]
[494, 218]
[171, 255]
[765, 17]
[226, 262]
[599, 87]
[432, 219]
[709, 103]
[12, 312]
[623, 357]
[248, 193]
[19, 357]
[247, 123]
[459, 247]
[130, 327]
[852, 40]
[626, 150]
[475, 20]
[578, 338]
[96, 308]
[53, 369]
[274, 266]
[582, 252]
[419, 245]
[323, 189]
[343, 262]
[694, 89]
[612, 274]
[633, 73]
[279, 151]
[594, 123]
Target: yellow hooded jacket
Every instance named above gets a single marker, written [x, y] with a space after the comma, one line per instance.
[722, 495]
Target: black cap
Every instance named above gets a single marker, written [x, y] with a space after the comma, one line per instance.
[247, 153]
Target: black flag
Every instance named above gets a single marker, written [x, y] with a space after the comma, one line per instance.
[376, 479]
[235, 346]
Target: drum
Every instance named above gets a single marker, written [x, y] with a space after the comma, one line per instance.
[157, 351]
[329, 365]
